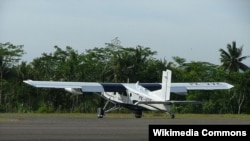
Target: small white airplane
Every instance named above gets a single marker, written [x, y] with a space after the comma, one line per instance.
[137, 97]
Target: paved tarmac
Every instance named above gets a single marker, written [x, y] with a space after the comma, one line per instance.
[74, 128]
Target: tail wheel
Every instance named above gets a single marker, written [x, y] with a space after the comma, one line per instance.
[172, 116]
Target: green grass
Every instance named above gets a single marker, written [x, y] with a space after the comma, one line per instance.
[198, 116]
[8, 117]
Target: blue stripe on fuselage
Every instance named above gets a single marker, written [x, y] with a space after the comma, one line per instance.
[151, 86]
[118, 87]
[113, 87]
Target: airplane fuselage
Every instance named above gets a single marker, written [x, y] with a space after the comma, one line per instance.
[129, 99]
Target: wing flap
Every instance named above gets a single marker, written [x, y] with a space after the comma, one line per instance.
[93, 88]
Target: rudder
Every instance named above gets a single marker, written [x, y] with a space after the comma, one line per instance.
[166, 84]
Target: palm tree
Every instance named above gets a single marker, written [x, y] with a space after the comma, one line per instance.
[232, 60]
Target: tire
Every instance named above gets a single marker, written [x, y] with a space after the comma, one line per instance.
[138, 114]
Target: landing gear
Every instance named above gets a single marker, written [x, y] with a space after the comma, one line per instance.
[138, 114]
[100, 112]
[172, 116]
[170, 112]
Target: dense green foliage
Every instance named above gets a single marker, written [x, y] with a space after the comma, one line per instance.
[115, 63]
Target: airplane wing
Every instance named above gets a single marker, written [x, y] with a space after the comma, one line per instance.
[85, 86]
[179, 88]
[203, 85]
[182, 88]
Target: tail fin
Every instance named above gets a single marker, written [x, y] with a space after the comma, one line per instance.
[166, 84]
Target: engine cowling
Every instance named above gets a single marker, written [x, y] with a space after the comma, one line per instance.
[76, 91]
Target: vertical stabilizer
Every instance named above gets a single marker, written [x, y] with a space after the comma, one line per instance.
[166, 84]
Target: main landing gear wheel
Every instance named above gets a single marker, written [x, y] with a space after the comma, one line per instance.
[138, 114]
[100, 112]
[172, 116]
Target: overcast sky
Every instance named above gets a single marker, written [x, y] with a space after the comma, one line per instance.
[191, 29]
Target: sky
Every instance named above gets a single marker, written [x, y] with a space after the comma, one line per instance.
[191, 29]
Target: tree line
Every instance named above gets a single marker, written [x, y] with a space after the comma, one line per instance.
[115, 63]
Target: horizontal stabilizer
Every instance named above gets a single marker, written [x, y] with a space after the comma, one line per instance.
[169, 102]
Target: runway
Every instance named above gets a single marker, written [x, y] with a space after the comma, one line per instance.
[80, 127]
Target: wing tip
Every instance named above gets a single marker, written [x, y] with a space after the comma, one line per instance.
[230, 86]
[28, 81]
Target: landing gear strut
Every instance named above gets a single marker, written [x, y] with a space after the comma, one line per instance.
[170, 112]
[101, 111]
